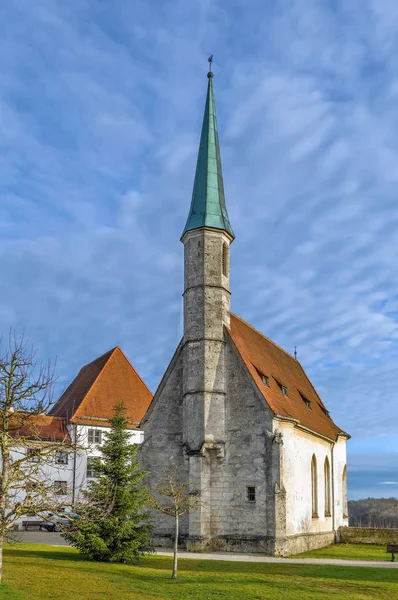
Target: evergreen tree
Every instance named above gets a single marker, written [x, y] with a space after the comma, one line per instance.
[113, 524]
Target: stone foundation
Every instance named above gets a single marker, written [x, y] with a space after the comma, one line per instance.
[367, 535]
[250, 544]
[296, 544]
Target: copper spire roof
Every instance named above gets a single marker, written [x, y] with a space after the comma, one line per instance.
[208, 202]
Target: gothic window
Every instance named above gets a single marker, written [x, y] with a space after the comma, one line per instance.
[225, 260]
[251, 493]
[327, 487]
[344, 490]
[314, 487]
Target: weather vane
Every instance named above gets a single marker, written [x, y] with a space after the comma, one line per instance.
[295, 352]
[210, 61]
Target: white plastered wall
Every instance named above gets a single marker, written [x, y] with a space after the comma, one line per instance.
[298, 449]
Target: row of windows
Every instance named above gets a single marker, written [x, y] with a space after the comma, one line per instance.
[327, 488]
[283, 389]
[60, 457]
[60, 487]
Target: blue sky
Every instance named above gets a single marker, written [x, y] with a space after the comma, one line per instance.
[100, 109]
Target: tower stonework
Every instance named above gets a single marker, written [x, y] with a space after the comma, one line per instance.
[206, 313]
[234, 415]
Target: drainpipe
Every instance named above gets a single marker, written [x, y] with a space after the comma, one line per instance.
[74, 466]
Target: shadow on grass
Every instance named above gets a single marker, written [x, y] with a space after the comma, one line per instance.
[206, 570]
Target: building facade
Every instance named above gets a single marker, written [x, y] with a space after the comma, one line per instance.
[235, 415]
[81, 417]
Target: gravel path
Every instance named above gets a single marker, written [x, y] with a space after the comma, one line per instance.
[54, 539]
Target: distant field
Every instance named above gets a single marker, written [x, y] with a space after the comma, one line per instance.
[36, 572]
[349, 552]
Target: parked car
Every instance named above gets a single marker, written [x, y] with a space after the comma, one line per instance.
[55, 522]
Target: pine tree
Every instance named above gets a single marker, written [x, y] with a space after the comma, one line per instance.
[114, 525]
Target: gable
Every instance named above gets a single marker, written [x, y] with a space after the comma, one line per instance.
[262, 357]
[101, 385]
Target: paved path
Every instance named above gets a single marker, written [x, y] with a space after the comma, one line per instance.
[232, 557]
[54, 539]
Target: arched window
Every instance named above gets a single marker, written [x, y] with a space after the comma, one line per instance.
[344, 491]
[326, 471]
[314, 487]
[225, 259]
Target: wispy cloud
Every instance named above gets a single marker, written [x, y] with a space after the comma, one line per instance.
[100, 115]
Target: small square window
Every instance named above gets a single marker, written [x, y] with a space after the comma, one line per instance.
[32, 455]
[94, 436]
[264, 379]
[283, 390]
[251, 493]
[61, 458]
[60, 488]
[307, 403]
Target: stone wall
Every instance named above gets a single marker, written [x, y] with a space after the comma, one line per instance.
[367, 535]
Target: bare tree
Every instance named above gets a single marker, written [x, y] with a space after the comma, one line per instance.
[27, 444]
[176, 500]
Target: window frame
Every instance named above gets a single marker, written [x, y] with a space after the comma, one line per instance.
[327, 485]
[59, 455]
[62, 488]
[89, 468]
[251, 494]
[314, 487]
[93, 433]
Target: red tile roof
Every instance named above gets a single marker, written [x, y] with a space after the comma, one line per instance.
[44, 427]
[262, 357]
[99, 385]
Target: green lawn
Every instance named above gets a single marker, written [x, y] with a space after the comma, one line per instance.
[349, 552]
[35, 572]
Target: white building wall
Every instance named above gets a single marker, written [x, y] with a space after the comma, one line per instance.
[298, 450]
[74, 472]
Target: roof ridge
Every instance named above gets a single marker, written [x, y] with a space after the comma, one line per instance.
[131, 365]
[267, 338]
[111, 352]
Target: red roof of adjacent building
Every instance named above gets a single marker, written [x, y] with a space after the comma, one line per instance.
[43, 427]
[100, 385]
[262, 357]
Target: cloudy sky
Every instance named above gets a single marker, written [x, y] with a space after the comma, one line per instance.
[100, 110]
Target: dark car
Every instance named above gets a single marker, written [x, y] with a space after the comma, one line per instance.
[57, 522]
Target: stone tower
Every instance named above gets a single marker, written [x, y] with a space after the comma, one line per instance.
[206, 238]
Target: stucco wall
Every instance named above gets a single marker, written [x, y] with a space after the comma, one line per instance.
[298, 450]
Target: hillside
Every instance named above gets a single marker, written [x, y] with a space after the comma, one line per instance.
[373, 512]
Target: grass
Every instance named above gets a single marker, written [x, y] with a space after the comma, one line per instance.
[349, 552]
[38, 572]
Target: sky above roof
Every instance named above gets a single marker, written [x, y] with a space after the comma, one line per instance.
[101, 107]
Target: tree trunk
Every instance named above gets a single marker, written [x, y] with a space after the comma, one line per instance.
[1, 557]
[174, 574]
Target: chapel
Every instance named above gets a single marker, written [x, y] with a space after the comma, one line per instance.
[235, 415]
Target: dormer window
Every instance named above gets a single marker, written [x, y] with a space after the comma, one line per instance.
[306, 401]
[264, 379]
[282, 388]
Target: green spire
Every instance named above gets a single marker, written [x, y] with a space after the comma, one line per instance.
[208, 202]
